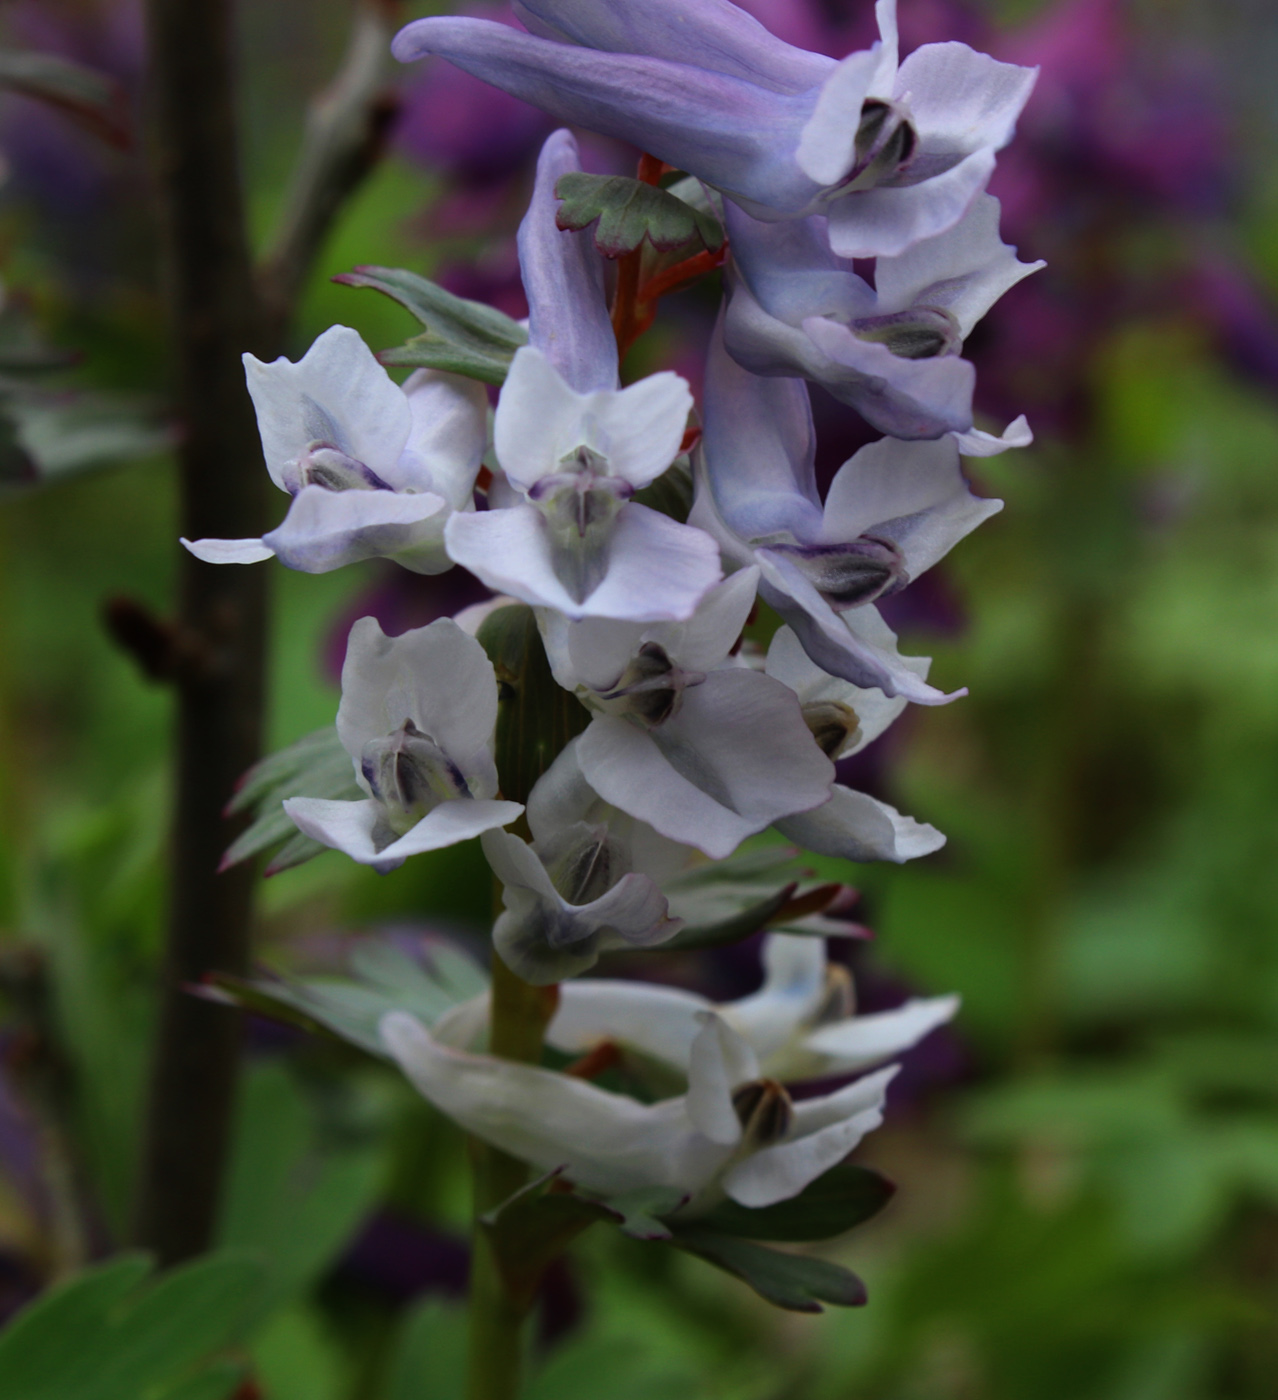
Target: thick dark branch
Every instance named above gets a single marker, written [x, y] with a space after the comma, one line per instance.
[213, 317]
[345, 135]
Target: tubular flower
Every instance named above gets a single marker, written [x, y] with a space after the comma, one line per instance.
[891, 153]
[705, 751]
[891, 351]
[891, 512]
[561, 530]
[801, 1024]
[733, 1133]
[374, 470]
[417, 718]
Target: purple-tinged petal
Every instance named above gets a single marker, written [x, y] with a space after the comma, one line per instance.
[563, 275]
[324, 530]
[733, 134]
[961, 100]
[758, 449]
[886, 220]
[356, 828]
[711, 34]
[855, 826]
[827, 145]
[978, 443]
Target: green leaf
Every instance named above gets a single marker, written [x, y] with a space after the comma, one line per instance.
[105, 1336]
[294, 1195]
[221, 1381]
[461, 336]
[315, 766]
[834, 1203]
[792, 1281]
[626, 211]
[430, 1361]
[532, 1228]
[385, 979]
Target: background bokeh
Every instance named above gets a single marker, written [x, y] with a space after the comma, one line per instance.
[1088, 1159]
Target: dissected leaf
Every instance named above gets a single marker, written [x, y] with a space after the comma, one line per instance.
[461, 336]
[792, 1281]
[315, 766]
[93, 98]
[625, 211]
[385, 979]
[845, 1196]
[532, 1228]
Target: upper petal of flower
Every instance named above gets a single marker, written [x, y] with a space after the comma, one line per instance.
[855, 826]
[435, 676]
[858, 1041]
[336, 393]
[448, 434]
[563, 275]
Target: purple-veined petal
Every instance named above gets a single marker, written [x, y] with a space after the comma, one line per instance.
[229, 551]
[855, 826]
[336, 393]
[563, 275]
[325, 530]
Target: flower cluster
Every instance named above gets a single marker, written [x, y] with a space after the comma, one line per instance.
[645, 532]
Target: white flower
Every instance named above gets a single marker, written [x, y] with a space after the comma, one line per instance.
[417, 718]
[705, 751]
[890, 350]
[801, 1024]
[561, 530]
[732, 1133]
[843, 719]
[374, 470]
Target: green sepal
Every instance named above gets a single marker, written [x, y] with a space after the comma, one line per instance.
[626, 211]
[796, 1282]
[461, 336]
[837, 1201]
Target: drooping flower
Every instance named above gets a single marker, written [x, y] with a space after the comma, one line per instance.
[374, 470]
[801, 1024]
[561, 530]
[891, 512]
[417, 717]
[733, 1133]
[704, 750]
[892, 153]
[891, 351]
[843, 719]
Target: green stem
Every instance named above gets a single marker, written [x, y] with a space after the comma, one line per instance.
[535, 720]
[520, 1014]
